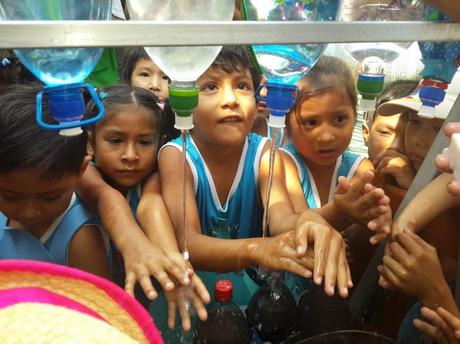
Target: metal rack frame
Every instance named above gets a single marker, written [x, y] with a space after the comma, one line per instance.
[64, 34]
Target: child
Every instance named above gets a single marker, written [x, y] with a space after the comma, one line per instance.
[138, 70]
[226, 183]
[319, 130]
[442, 161]
[124, 146]
[40, 215]
[379, 131]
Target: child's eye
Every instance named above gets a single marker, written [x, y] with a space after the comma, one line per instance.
[340, 119]
[209, 87]
[144, 74]
[146, 142]
[244, 86]
[114, 140]
[165, 77]
[385, 132]
[310, 122]
[9, 198]
[51, 198]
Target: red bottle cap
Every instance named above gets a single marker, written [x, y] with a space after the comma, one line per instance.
[223, 290]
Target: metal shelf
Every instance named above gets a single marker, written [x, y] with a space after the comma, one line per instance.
[64, 34]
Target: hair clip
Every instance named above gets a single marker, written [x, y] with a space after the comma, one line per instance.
[103, 95]
[5, 62]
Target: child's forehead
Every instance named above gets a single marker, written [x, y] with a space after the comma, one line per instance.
[226, 71]
[31, 180]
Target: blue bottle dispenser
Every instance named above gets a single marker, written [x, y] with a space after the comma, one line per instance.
[284, 65]
[62, 70]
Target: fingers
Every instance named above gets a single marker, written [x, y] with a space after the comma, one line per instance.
[199, 307]
[296, 268]
[162, 278]
[301, 239]
[454, 188]
[146, 285]
[449, 319]
[375, 239]
[389, 273]
[442, 162]
[130, 282]
[451, 128]
[184, 307]
[200, 289]
[321, 252]
[171, 314]
[430, 330]
[343, 278]
[343, 185]
[399, 254]
[333, 258]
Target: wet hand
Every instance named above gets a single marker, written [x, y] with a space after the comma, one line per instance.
[329, 251]
[142, 260]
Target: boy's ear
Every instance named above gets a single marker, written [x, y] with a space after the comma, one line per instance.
[365, 130]
[84, 164]
[90, 143]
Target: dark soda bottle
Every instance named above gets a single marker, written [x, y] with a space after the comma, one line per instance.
[272, 311]
[226, 323]
[319, 313]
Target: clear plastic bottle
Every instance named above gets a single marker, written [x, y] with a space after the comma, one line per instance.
[373, 56]
[183, 65]
[226, 323]
[62, 70]
[284, 65]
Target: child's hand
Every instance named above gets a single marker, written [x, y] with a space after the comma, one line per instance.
[396, 164]
[329, 251]
[278, 253]
[441, 325]
[364, 204]
[142, 260]
[413, 267]
[182, 297]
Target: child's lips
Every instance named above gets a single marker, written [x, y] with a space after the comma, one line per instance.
[231, 119]
[326, 152]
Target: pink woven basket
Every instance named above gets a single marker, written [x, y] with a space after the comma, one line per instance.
[44, 302]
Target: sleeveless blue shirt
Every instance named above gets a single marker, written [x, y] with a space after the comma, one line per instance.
[345, 166]
[20, 244]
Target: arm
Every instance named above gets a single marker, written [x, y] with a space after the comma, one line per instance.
[140, 256]
[431, 201]
[213, 254]
[87, 252]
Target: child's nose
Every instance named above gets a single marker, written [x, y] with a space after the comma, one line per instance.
[30, 211]
[130, 153]
[155, 83]
[325, 135]
[230, 97]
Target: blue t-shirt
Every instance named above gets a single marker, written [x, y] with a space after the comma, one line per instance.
[54, 245]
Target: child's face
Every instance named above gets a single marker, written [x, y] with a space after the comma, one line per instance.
[226, 107]
[381, 134]
[125, 146]
[323, 128]
[419, 136]
[146, 74]
[33, 201]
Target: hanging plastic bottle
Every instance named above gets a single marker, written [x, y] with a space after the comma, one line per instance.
[62, 70]
[183, 65]
[373, 56]
[441, 61]
[226, 323]
[284, 65]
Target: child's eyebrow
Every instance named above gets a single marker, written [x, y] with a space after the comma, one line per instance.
[9, 191]
[53, 191]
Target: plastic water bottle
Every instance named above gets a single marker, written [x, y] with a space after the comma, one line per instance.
[62, 70]
[374, 56]
[183, 65]
[441, 60]
[284, 65]
[226, 323]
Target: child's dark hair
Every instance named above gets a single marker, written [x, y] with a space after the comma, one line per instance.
[394, 90]
[233, 58]
[121, 95]
[327, 74]
[23, 144]
[129, 58]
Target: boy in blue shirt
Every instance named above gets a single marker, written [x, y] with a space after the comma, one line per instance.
[40, 216]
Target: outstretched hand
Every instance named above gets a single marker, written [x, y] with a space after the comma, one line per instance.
[412, 266]
[440, 325]
[364, 204]
[329, 251]
[142, 260]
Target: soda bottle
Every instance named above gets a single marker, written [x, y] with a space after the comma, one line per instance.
[226, 323]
